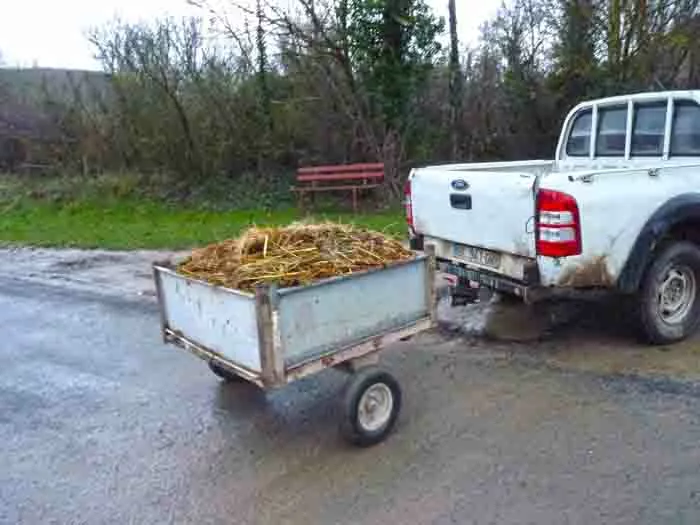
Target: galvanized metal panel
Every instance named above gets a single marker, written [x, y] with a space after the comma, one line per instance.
[334, 314]
[215, 318]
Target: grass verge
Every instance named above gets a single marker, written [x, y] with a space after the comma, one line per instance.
[131, 224]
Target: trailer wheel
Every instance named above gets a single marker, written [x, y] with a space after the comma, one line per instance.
[223, 373]
[371, 405]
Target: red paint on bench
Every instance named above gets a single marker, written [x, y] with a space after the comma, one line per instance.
[348, 177]
[342, 176]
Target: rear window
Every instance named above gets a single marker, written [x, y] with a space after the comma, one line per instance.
[685, 137]
[612, 130]
[649, 129]
[578, 144]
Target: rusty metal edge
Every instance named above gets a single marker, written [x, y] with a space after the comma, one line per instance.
[368, 346]
[272, 363]
[331, 359]
[165, 268]
[179, 340]
[161, 303]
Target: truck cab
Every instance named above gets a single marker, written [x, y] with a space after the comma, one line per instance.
[620, 195]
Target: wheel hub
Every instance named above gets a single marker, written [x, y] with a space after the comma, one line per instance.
[375, 407]
[677, 294]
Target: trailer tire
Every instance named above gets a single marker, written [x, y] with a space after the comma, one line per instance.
[372, 404]
[223, 373]
[669, 298]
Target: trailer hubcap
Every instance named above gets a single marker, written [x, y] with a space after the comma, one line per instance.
[375, 407]
[677, 294]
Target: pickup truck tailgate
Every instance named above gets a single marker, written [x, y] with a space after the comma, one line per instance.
[486, 209]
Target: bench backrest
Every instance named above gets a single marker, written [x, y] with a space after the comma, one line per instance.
[373, 171]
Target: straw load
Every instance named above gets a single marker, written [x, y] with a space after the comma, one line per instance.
[293, 255]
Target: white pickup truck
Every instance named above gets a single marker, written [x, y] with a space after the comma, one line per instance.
[618, 209]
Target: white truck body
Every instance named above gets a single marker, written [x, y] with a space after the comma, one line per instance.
[630, 164]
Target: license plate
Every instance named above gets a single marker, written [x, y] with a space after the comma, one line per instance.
[477, 255]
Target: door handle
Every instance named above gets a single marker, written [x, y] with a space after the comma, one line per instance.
[461, 201]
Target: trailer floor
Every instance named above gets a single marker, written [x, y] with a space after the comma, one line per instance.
[101, 423]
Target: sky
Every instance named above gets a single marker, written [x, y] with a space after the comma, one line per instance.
[51, 33]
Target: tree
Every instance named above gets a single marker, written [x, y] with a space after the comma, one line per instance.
[393, 47]
[264, 89]
[339, 81]
[647, 41]
[519, 34]
[376, 58]
[575, 75]
[456, 82]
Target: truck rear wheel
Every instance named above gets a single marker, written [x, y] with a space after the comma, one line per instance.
[669, 299]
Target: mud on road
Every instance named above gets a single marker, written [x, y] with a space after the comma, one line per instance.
[591, 337]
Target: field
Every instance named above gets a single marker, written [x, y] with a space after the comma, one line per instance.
[119, 213]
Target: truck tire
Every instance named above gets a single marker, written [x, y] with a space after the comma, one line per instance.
[371, 406]
[669, 298]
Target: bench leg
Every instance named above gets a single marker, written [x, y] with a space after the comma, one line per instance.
[354, 200]
[300, 201]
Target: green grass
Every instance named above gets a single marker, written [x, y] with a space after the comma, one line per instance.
[129, 211]
[137, 223]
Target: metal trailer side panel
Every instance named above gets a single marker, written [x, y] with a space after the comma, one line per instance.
[212, 317]
[334, 314]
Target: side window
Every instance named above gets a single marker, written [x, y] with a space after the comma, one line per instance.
[578, 144]
[612, 128]
[685, 137]
[648, 129]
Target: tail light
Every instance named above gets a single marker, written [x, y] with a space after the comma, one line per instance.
[558, 228]
[408, 205]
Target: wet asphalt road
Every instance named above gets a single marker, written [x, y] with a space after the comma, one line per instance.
[101, 423]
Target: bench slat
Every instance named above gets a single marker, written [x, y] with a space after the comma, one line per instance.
[347, 168]
[341, 176]
[303, 189]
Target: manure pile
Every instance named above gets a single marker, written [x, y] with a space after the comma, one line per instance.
[293, 255]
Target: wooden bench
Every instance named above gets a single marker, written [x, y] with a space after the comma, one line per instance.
[348, 177]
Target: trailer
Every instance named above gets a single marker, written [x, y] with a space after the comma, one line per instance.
[278, 335]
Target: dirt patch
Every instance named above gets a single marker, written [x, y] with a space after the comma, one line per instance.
[507, 319]
[681, 361]
[604, 339]
[594, 337]
[593, 273]
[470, 319]
[494, 318]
